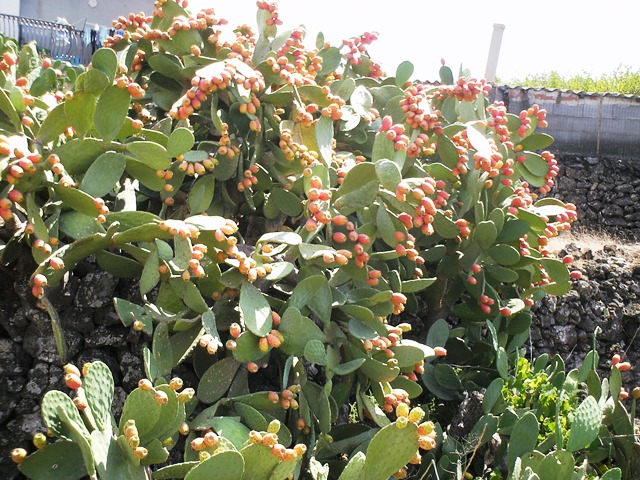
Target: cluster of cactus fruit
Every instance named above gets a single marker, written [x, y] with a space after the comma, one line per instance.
[281, 206]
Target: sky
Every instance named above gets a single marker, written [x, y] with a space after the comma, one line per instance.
[567, 36]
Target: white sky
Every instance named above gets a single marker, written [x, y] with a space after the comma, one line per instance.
[542, 35]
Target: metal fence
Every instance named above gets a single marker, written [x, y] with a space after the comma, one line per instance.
[56, 40]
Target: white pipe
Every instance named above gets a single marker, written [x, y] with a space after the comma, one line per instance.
[494, 52]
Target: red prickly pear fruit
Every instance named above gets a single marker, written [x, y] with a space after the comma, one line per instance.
[72, 381]
[440, 351]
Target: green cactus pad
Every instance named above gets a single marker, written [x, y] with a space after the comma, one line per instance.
[217, 379]
[141, 407]
[170, 417]
[98, 389]
[227, 465]
[390, 450]
[52, 403]
[524, 437]
[177, 470]
[247, 349]
[283, 470]
[231, 429]
[586, 423]
[297, 331]
[250, 416]
[60, 458]
[156, 453]
[355, 468]
[259, 462]
[315, 352]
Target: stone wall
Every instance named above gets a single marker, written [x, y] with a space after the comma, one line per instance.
[29, 364]
[606, 192]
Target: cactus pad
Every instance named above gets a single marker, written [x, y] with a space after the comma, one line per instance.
[98, 389]
[390, 450]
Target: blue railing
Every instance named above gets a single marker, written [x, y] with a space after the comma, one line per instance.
[56, 40]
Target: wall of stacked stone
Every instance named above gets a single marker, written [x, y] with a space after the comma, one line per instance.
[606, 192]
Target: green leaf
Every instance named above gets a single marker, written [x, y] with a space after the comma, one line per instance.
[504, 254]
[586, 424]
[331, 59]
[180, 142]
[217, 379]
[361, 100]
[227, 465]
[358, 190]
[403, 73]
[388, 174]
[389, 450]
[492, 395]
[502, 363]
[297, 331]
[287, 202]
[201, 194]
[105, 60]
[413, 286]
[77, 199]
[524, 437]
[255, 311]
[103, 174]
[80, 112]
[43, 83]
[536, 164]
[153, 155]
[537, 141]
[324, 138]
[53, 125]
[315, 352]
[485, 234]
[314, 293]
[111, 112]
[446, 75]
[150, 274]
[65, 458]
[438, 333]
[144, 174]
[7, 107]
[444, 226]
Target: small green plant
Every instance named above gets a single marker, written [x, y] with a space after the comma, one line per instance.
[91, 443]
[623, 80]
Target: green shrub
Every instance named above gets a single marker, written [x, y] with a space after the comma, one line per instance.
[281, 206]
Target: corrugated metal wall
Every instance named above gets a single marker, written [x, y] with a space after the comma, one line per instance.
[589, 124]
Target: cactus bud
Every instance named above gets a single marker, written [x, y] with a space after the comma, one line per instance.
[145, 384]
[198, 444]
[426, 428]
[203, 455]
[70, 368]
[72, 381]
[269, 439]
[440, 351]
[426, 442]
[140, 453]
[134, 442]
[160, 397]
[255, 437]
[402, 410]
[39, 440]
[278, 450]
[274, 397]
[175, 384]
[167, 442]
[274, 426]
[18, 455]
[186, 395]
[402, 422]
[210, 439]
[183, 429]
[80, 403]
[416, 415]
